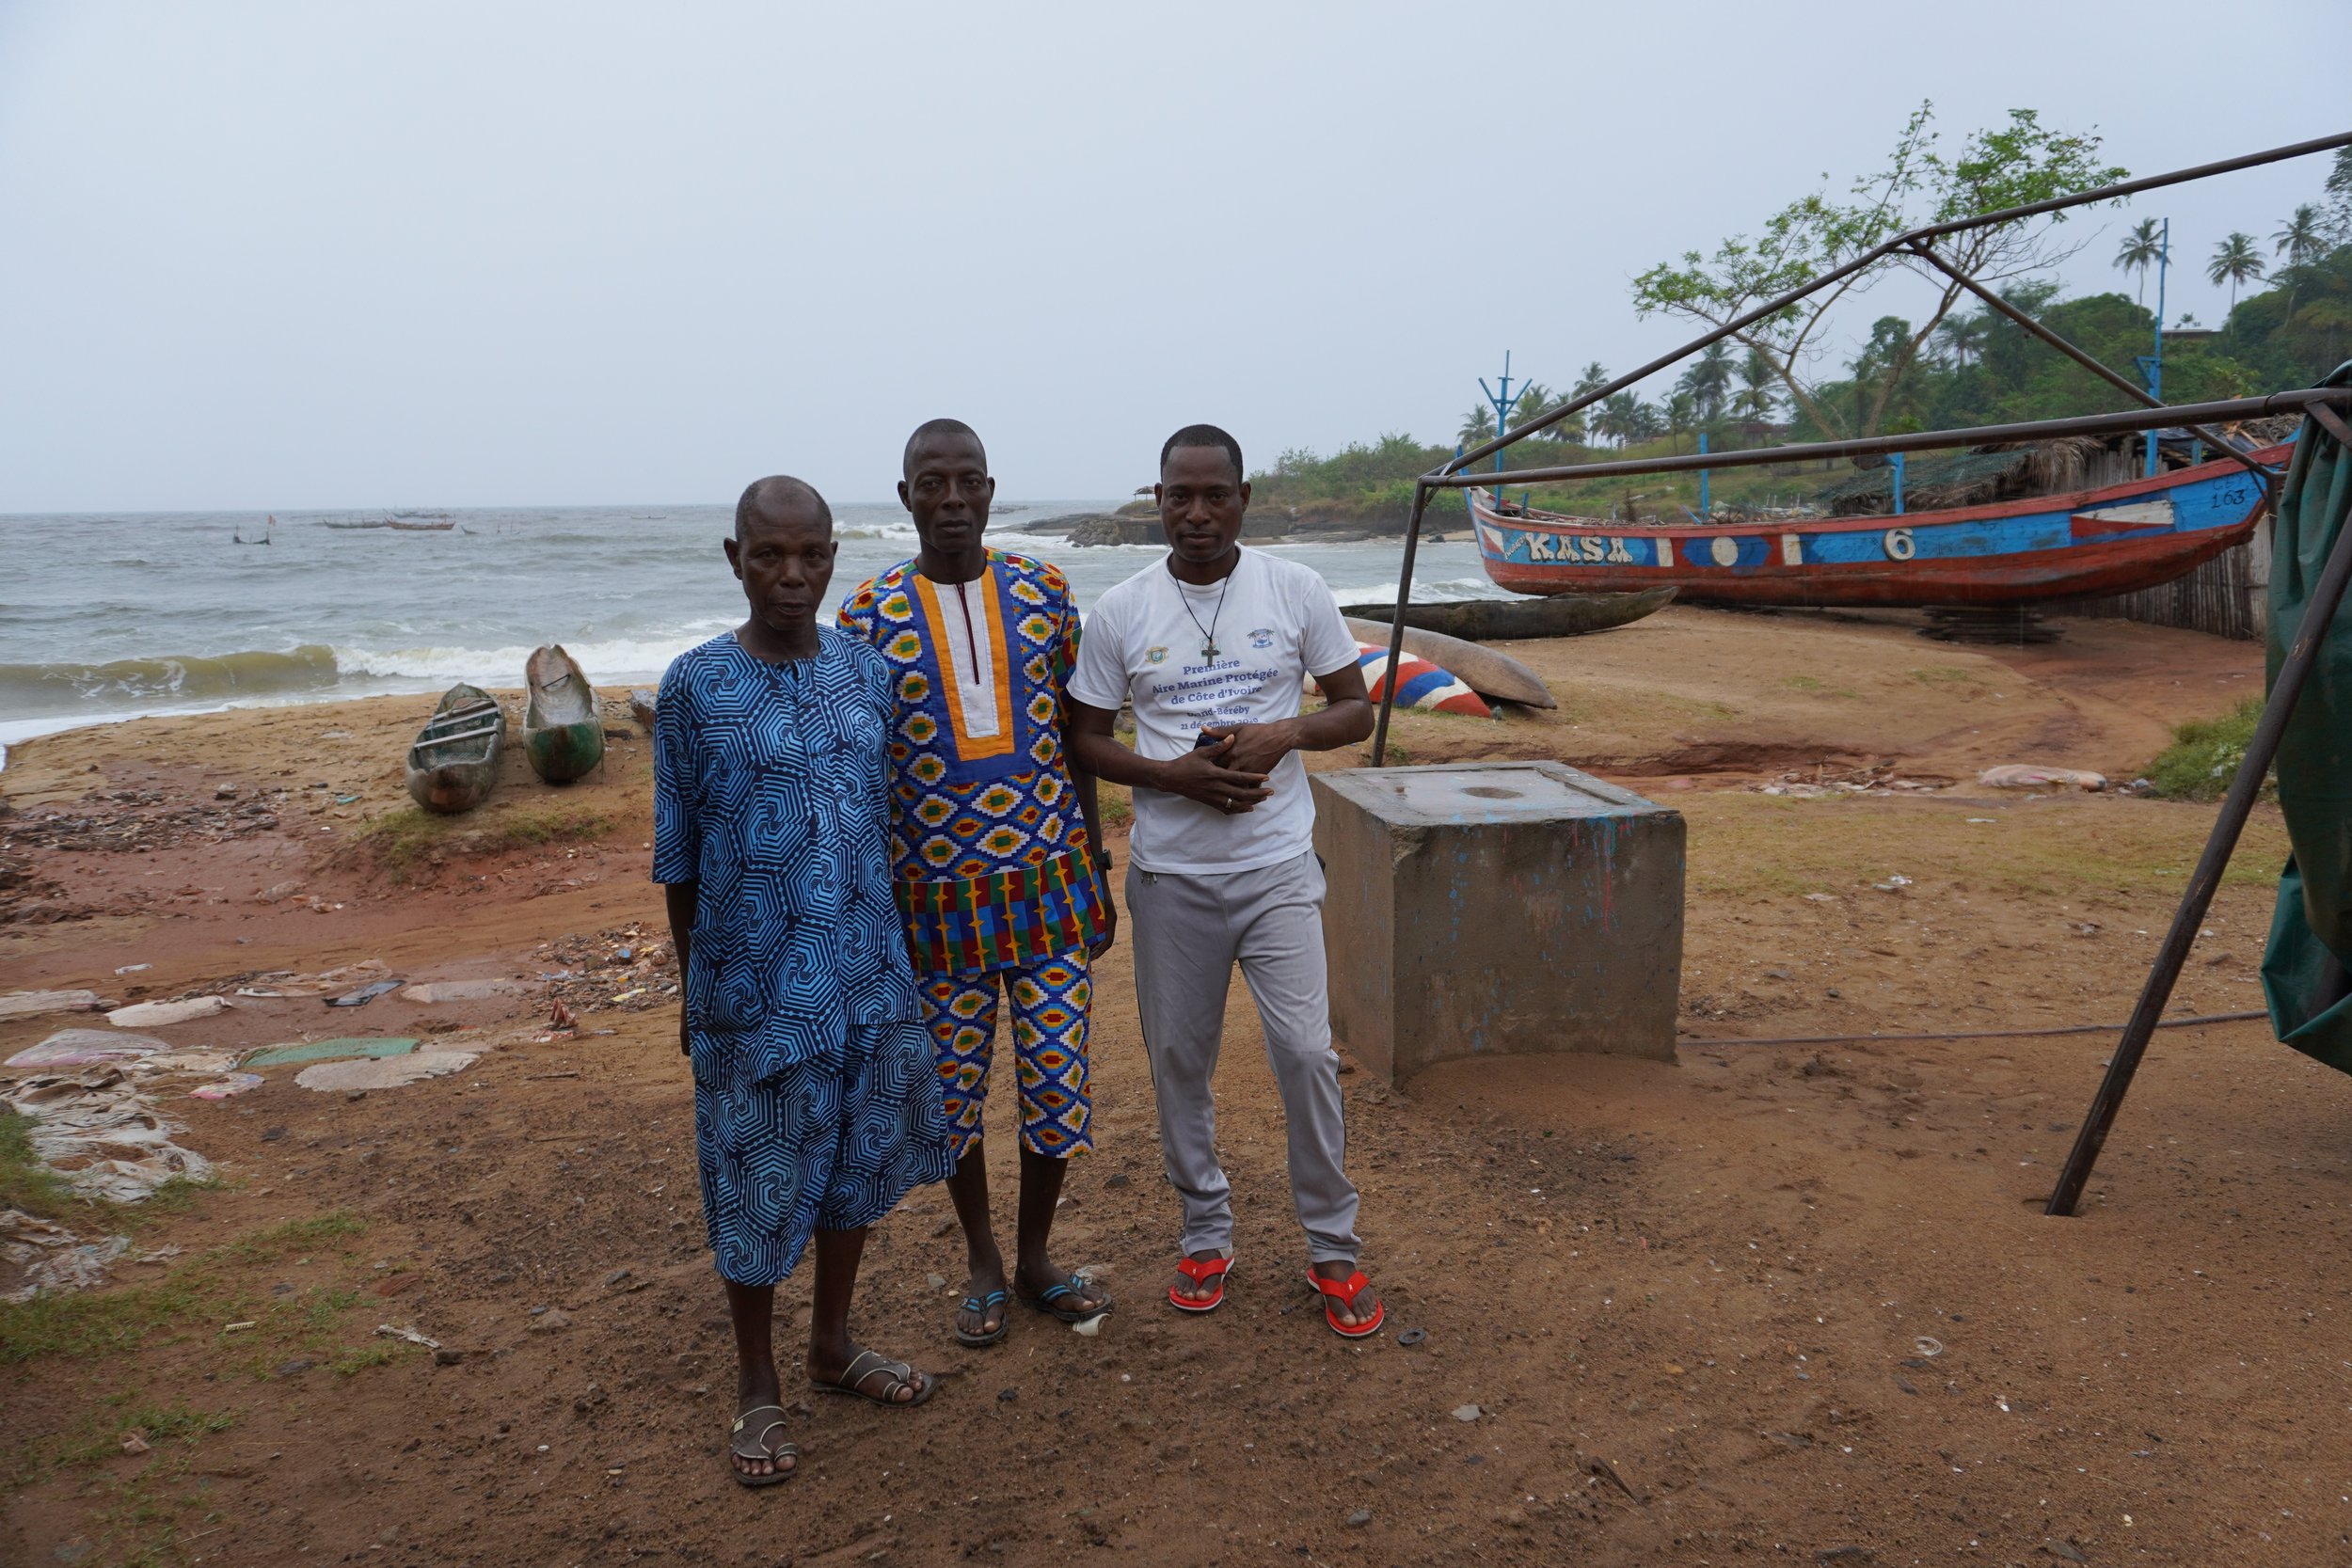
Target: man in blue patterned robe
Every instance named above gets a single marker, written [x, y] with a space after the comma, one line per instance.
[817, 1106]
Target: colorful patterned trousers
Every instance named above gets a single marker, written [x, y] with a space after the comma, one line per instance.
[1052, 1002]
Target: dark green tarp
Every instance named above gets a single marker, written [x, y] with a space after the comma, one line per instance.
[2304, 967]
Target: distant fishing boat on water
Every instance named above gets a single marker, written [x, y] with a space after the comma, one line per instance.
[2112, 539]
[403, 525]
[236, 535]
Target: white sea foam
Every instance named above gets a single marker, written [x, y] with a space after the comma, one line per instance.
[607, 663]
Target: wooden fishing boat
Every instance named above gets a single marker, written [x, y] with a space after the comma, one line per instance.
[1494, 619]
[562, 735]
[404, 525]
[1491, 674]
[456, 759]
[2114, 539]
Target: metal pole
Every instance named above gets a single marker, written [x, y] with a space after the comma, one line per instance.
[2318, 616]
[1704, 508]
[2146, 395]
[1396, 623]
[1897, 463]
[2119, 422]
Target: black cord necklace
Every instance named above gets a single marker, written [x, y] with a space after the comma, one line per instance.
[1208, 633]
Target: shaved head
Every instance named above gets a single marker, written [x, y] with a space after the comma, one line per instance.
[939, 431]
[781, 498]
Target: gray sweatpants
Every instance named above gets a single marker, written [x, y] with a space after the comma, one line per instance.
[1188, 932]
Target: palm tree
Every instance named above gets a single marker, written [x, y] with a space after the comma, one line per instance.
[1759, 399]
[1962, 337]
[1706, 381]
[1620, 418]
[1478, 426]
[1592, 378]
[1535, 399]
[2302, 237]
[2143, 247]
[2236, 260]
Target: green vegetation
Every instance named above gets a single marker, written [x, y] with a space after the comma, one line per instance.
[400, 839]
[201, 1294]
[25, 1183]
[2205, 756]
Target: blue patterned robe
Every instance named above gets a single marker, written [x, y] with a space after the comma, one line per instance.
[815, 1098]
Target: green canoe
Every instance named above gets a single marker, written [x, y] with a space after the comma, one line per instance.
[456, 759]
[562, 735]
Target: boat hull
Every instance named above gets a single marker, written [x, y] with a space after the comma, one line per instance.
[2117, 539]
[1497, 620]
[1491, 674]
[451, 770]
[563, 733]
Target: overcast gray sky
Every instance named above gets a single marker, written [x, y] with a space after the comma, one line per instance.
[302, 255]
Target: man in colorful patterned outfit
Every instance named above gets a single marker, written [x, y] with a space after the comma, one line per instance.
[998, 872]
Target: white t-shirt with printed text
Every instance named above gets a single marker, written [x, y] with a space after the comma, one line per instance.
[1274, 624]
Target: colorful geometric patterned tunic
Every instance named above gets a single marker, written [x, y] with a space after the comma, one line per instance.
[991, 864]
[772, 793]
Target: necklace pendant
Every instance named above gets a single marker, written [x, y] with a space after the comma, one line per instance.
[1208, 650]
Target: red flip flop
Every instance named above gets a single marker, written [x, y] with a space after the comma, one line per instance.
[1201, 1273]
[1345, 1292]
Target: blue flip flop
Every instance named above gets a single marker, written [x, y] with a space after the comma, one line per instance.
[1077, 1286]
[981, 1304]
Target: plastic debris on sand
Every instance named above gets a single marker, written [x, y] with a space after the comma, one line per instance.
[328, 1050]
[103, 1135]
[32, 1003]
[2018, 775]
[390, 1073]
[82, 1047]
[229, 1087]
[463, 990]
[38, 1254]
[151, 1015]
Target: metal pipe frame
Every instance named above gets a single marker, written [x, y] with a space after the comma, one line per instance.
[1443, 476]
[2318, 615]
[2123, 421]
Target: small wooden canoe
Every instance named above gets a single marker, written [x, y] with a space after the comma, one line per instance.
[563, 734]
[456, 759]
[1492, 620]
[1491, 674]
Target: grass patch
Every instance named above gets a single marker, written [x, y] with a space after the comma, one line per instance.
[400, 839]
[25, 1183]
[2204, 754]
[1749, 846]
[203, 1292]
[1946, 674]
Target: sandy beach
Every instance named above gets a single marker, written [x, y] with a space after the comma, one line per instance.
[1766, 1304]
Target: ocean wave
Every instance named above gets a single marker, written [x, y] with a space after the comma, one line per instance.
[1451, 590]
[38, 688]
[633, 659]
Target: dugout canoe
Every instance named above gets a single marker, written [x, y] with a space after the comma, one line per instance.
[1494, 675]
[1495, 620]
[2111, 539]
[455, 758]
[562, 735]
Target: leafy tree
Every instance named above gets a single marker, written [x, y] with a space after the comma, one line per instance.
[2005, 165]
[2236, 260]
[1681, 413]
[1535, 400]
[2143, 248]
[2339, 190]
[1478, 425]
[1759, 396]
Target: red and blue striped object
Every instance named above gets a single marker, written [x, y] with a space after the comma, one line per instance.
[1421, 684]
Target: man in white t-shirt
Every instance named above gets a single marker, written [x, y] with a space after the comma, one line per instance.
[1214, 646]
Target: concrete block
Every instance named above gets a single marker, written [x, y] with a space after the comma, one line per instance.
[1491, 909]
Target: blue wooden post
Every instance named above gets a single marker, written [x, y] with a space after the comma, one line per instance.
[2155, 363]
[1899, 484]
[1504, 403]
[1704, 508]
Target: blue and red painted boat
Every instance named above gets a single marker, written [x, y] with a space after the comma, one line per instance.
[2114, 539]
